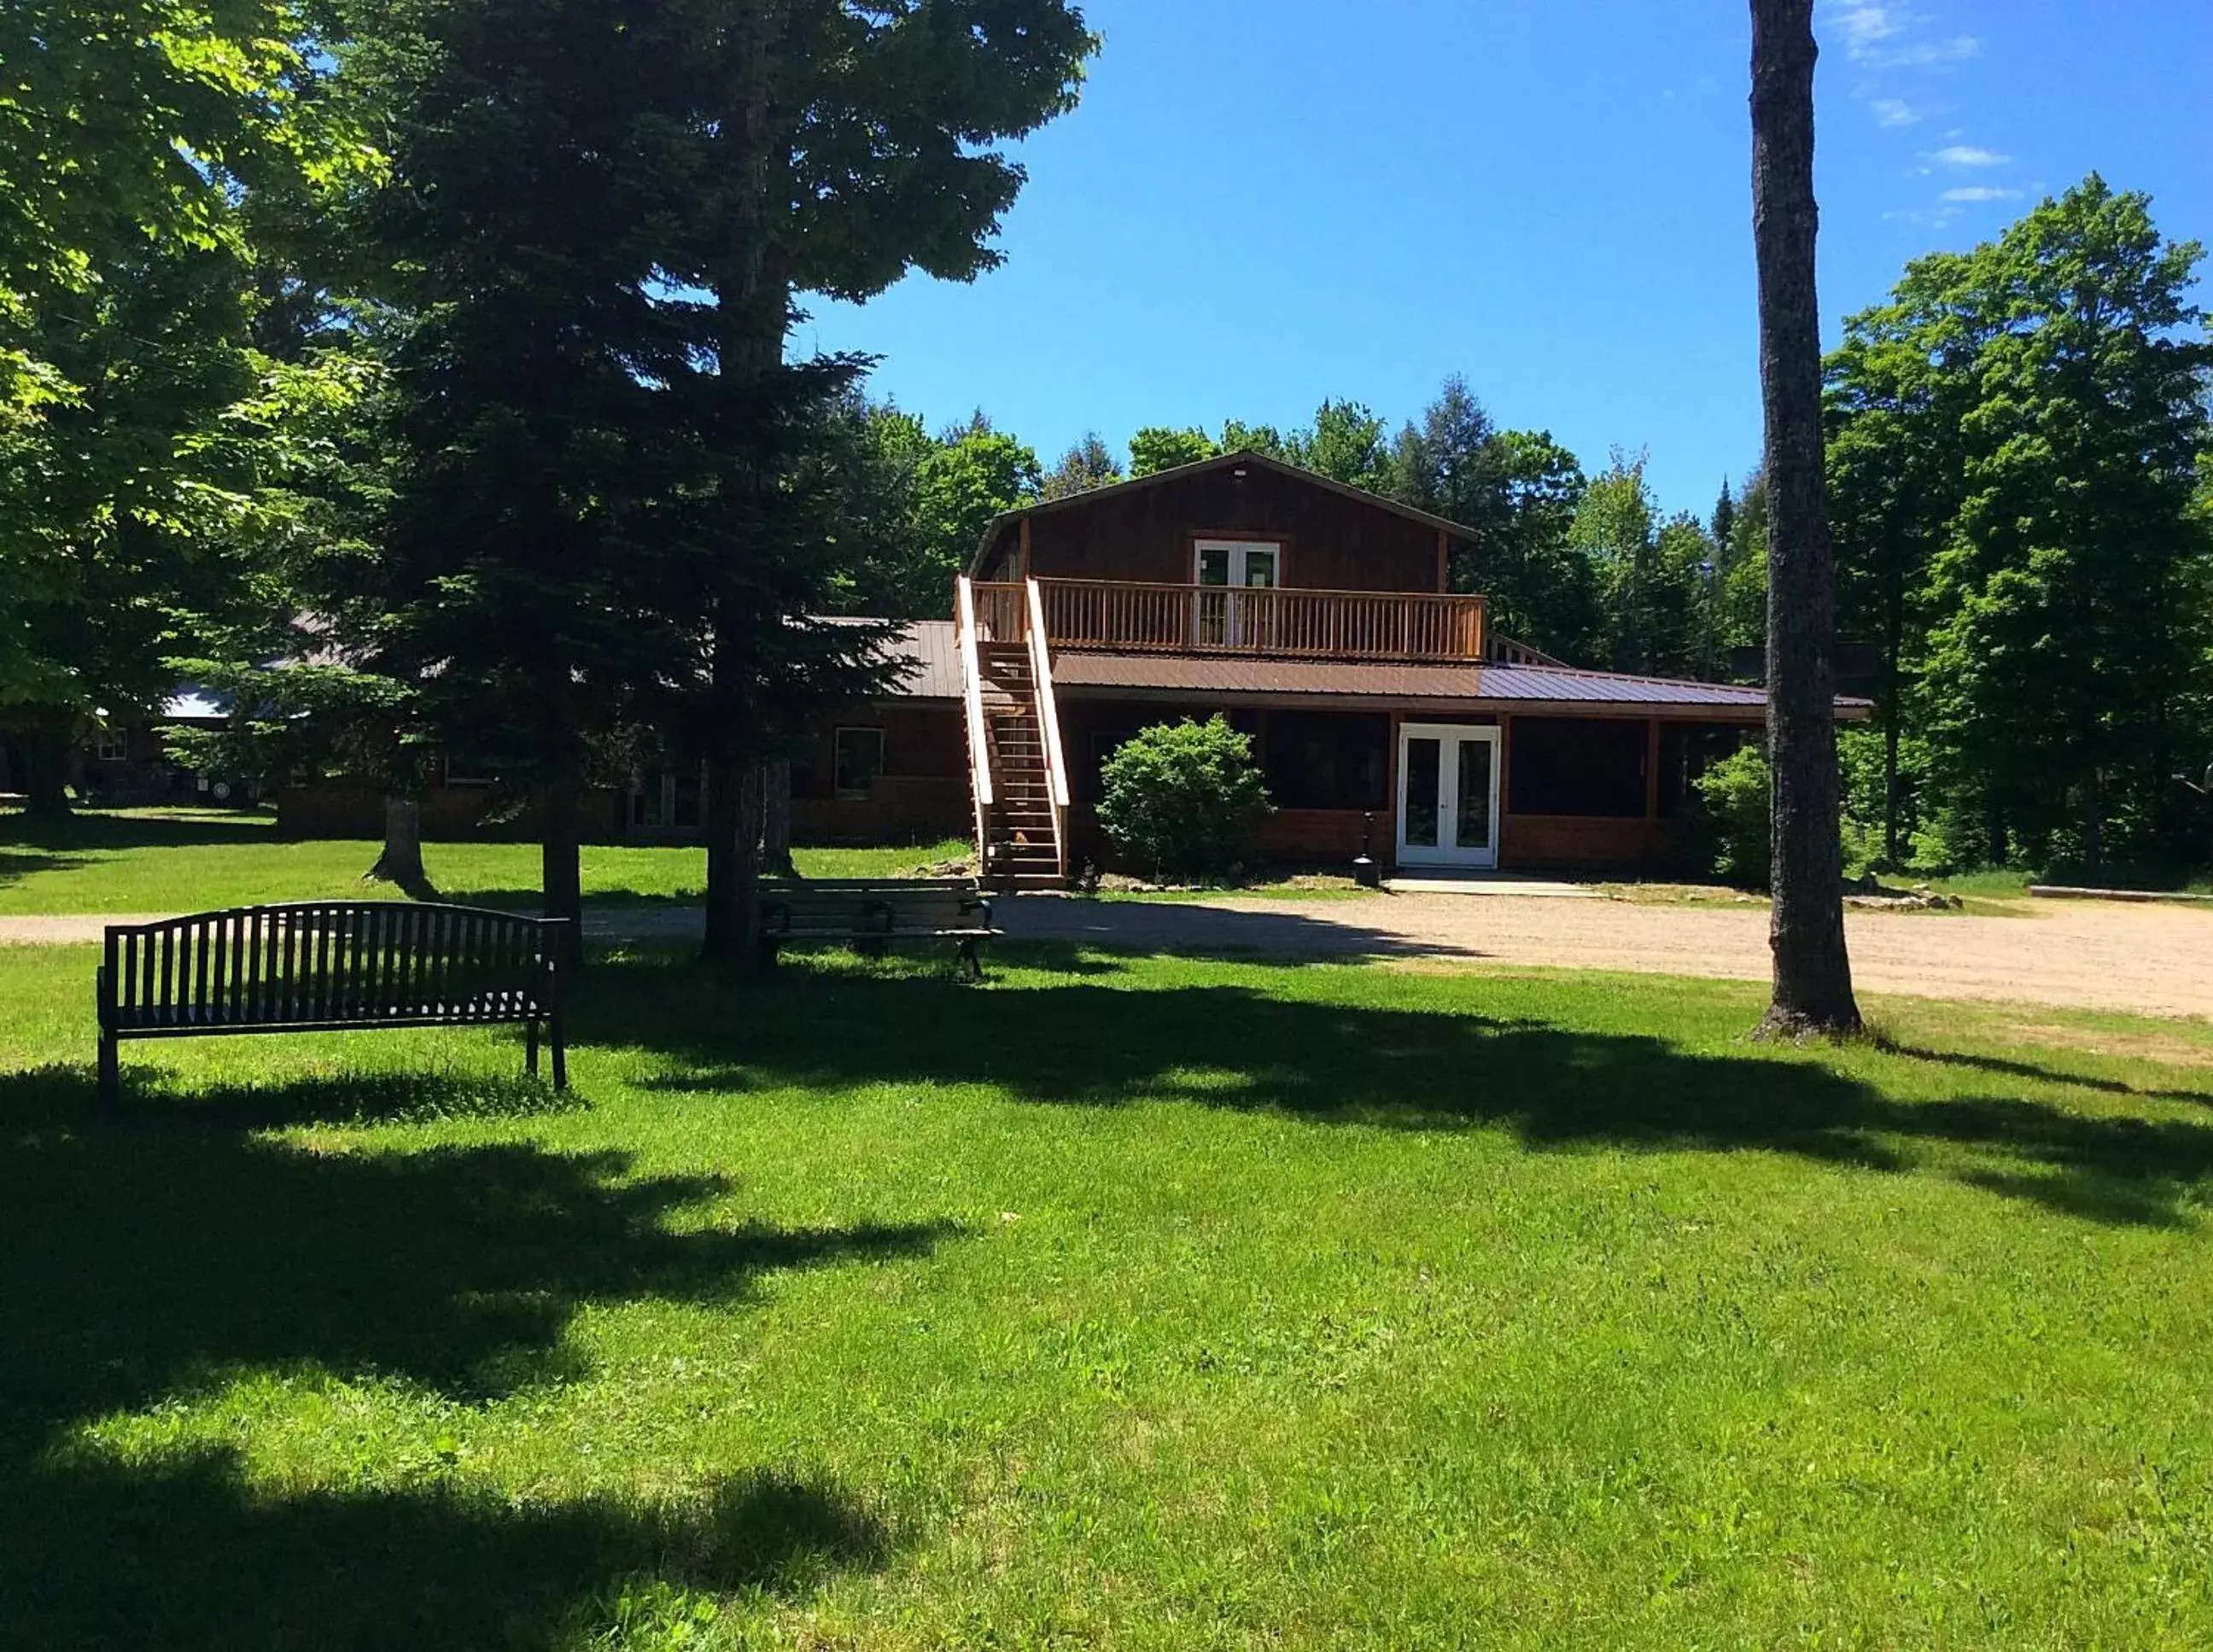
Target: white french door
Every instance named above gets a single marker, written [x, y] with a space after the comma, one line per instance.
[1224, 617]
[1448, 795]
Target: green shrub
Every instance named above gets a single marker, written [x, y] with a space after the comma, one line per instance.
[1183, 797]
[1735, 794]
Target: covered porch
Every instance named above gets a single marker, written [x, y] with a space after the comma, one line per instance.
[1443, 788]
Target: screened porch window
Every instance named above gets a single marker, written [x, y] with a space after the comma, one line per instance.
[1577, 766]
[860, 759]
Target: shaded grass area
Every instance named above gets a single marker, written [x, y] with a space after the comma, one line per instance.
[1123, 1301]
[159, 861]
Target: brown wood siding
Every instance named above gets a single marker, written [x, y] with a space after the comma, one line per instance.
[924, 741]
[1577, 842]
[1330, 542]
[910, 809]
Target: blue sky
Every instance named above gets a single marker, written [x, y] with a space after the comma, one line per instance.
[1261, 203]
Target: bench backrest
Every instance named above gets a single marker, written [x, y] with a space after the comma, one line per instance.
[866, 907]
[329, 963]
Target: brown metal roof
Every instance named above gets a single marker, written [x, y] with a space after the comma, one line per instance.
[1511, 687]
[933, 661]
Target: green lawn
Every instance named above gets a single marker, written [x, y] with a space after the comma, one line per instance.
[1122, 1302]
[199, 860]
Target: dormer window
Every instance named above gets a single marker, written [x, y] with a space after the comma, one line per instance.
[1228, 619]
[1254, 564]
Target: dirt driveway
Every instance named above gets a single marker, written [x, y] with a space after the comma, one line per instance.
[2155, 960]
[2084, 954]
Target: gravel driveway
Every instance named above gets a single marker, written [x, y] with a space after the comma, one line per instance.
[2082, 954]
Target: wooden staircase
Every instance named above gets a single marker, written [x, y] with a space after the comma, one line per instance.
[1021, 849]
[1016, 774]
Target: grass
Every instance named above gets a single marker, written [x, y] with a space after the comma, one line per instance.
[160, 860]
[1125, 1302]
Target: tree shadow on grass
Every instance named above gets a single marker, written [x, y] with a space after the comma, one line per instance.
[173, 1254]
[184, 1554]
[84, 829]
[2037, 1072]
[1556, 1089]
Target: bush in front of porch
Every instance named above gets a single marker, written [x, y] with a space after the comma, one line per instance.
[1184, 797]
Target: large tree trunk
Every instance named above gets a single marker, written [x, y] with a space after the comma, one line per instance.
[1812, 972]
[401, 860]
[560, 863]
[46, 742]
[734, 860]
[754, 303]
[776, 822]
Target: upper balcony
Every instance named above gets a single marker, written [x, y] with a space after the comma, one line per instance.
[1117, 616]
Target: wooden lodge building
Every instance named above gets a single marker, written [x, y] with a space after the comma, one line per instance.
[1318, 618]
[1384, 711]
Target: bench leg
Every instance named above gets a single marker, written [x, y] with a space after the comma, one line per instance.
[111, 1075]
[966, 965]
[560, 1052]
[530, 1048]
[770, 951]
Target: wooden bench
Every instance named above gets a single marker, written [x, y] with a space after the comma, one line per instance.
[321, 966]
[870, 913]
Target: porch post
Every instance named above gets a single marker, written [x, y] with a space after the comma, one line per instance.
[1505, 782]
[1651, 769]
[1390, 845]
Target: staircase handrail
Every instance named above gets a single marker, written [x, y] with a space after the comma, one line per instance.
[1048, 714]
[972, 693]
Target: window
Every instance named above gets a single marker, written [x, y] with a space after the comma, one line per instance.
[666, 800]
[1255, 564]
[469, 771]
[1577, 766]
[860, 759]
[1326, 760]
[1687, 750]
[1221, 615]
[110, 745]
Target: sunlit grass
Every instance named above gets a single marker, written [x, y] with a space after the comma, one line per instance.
[173, 861]
[1120, 1302]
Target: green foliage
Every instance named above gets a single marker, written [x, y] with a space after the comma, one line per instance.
[1653, 579]
[1086, 466]
[873, 458]
[138, 420]
[2017, 434]
[1345, 443]
[1183, 797]
[1266, 440]
[973, 475]
[1159, 448]
[1739, 587]
[1735, 794]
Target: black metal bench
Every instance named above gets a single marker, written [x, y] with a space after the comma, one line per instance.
[869, 914]
[319, 967]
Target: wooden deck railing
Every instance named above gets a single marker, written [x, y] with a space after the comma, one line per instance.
[1115, 616]
[1001, 610]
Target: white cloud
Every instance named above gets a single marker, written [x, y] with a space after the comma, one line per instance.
[1895, 36]
[1927, 54]
[1981, 192]
[1865, 25]
[1965, 155]
[1894, 112]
